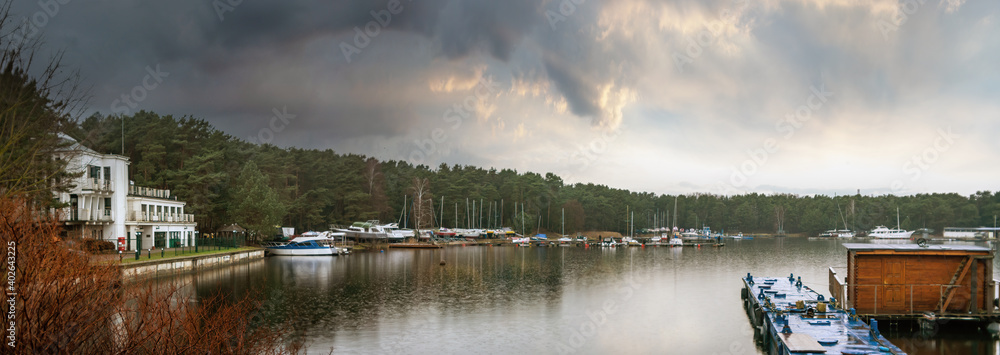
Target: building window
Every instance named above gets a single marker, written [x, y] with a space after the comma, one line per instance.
[144, 208]
[159, 209]
[94, 172]
[107, 206]
[107, 173]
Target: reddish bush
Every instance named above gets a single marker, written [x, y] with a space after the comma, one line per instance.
[94, 246]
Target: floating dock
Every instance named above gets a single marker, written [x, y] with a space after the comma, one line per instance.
[791, 318]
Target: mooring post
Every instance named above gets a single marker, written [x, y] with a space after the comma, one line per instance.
[973, 289]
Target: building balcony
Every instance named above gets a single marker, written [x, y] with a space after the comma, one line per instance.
[150, 192]
[97, 185]
[135, 216]
[86, 215]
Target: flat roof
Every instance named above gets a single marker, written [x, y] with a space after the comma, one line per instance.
[912, 247]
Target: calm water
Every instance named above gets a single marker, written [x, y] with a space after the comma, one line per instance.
[540, 300]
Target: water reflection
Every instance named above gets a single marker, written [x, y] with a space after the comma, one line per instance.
[537, 300]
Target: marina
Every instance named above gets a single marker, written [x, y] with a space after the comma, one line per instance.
[552, 300]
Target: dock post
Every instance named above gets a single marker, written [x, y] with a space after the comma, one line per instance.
[972, 294]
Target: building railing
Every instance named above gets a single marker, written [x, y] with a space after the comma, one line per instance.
[150, 192]
[95, 184]
[86, 215]
[138, 216]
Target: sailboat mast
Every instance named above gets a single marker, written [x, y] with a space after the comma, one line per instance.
[675, 211]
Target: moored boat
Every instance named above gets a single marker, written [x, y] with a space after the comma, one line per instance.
[312, 245]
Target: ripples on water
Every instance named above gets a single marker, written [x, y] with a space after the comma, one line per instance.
[539, 300]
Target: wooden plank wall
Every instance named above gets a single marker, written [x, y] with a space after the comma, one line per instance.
[897, 283]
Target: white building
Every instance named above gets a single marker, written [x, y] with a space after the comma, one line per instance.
[105, 205]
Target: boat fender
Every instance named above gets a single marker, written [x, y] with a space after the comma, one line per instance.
[791, 278]
[743, 293]
[821, 307]
[810, 312]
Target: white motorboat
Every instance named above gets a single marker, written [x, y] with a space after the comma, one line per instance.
[883, 232]
[845, 233]
[365, 230]
[310, 245]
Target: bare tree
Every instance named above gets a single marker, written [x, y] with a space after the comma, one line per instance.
[36, 104]
[422, 212]
[375, 184]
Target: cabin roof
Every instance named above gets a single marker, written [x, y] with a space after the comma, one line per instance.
[912, 247]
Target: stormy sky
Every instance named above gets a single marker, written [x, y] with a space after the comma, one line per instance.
[800, 96]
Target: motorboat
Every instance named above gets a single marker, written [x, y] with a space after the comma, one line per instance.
[845, 233]
[883, 232]
[394, 232]
[676, 242]
[305, 245]
[365, 230]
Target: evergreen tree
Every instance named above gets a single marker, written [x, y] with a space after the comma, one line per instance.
[256, 205]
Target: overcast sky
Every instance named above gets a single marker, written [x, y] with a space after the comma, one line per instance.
[822, 96]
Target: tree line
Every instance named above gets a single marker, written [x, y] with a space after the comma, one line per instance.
[225, 179]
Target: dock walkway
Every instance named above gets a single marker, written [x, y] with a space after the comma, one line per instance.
[792, 318]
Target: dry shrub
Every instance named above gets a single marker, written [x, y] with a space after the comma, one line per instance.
[66, 303]
[95, 246]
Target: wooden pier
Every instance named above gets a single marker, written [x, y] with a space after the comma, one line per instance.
[791, 318]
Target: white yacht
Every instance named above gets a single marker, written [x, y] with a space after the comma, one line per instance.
[366, 230]
[844, 233]
[883, 232]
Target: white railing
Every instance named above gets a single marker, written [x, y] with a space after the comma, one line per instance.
[136, 216]
[150, 192]
[96, 184]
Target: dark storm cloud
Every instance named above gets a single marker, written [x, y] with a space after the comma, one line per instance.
[578, 94]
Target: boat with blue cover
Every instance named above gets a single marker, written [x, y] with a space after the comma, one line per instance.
[319, 245]
[791, 318]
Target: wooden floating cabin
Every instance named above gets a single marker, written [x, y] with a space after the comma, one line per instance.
[909, 281]
[791, 318]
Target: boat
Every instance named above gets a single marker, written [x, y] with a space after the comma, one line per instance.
[676, 242]
[396, 233]
[843, 233]
[738, 236]
[445, 232]
[365, 230]
[301, 246]
[883, 232]
[655, 240]
[565, 240]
